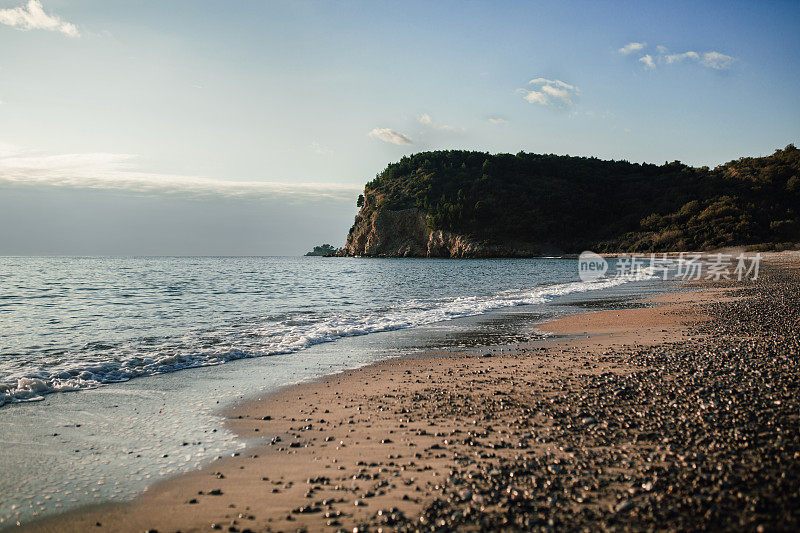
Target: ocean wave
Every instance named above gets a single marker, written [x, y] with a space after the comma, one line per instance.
[269, 337]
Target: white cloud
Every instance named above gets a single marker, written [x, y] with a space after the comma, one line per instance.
[551, 93]
[390, 136]
[425, 119]
[497, 120]
[115, 172]
[713, 59]
[534, 97]
[33, 17]
[717, 60]
[677, 58]
[630, 48]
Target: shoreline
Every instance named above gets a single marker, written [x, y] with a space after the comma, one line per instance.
[176, 493]
[432, 442]
[109, 444]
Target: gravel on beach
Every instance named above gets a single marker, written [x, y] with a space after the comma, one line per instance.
[704, 435]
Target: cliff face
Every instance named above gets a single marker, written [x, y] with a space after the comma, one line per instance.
[446, 244]
[405, 233]
[385, 233]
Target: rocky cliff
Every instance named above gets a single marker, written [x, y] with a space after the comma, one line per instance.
[385, 233]
[405, 233]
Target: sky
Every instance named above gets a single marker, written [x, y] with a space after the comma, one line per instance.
[250, 127]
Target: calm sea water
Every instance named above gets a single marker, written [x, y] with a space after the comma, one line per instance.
[71, 323]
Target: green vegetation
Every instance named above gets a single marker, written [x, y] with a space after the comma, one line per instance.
[576, 203]
[325, 249]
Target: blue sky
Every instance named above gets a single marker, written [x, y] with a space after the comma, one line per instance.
[228, 124]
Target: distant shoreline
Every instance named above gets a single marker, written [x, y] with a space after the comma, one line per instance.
[747, 251]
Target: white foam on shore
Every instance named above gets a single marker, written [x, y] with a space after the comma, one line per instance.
[287, 336]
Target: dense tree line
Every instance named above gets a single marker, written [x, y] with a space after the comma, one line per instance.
[575, 203]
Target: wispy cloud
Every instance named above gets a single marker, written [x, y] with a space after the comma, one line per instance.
[712, 59]
[631, 47]
[115, 172]
[497, 120]
[321, 150]
[717, 61]
[426, 120]
[390, 136]
[604, 114]
[550, 93]
[648, 62]
[32, 17]
[677, 58]
[9, 150]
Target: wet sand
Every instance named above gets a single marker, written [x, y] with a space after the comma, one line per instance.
[680, 415]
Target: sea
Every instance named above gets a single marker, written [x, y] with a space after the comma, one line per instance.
[115, 371]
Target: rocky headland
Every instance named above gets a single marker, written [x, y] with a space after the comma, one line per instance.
[471, 204]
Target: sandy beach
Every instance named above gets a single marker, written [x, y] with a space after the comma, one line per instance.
[680, 413]
[357, 266]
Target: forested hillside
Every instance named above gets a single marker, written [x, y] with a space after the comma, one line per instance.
[575, 203]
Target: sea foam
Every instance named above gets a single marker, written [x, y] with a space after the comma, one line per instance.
[272, 336]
